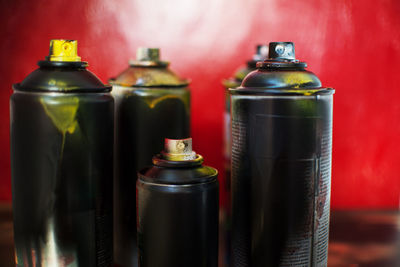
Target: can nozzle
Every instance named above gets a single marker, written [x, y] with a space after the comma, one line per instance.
[178, 149]
[147, 54]
[148, 57]
[281, 50]
[63, 50]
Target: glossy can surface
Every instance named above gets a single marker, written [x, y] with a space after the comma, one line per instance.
[281, 167]
[61, 159]
[178, 214]
[152, 103]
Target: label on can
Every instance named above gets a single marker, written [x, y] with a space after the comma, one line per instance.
[291, 160]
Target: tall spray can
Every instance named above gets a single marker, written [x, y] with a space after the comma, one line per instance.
[232, 82]
[281, 164]
[152, 103]
[61, 162]
[178, 209]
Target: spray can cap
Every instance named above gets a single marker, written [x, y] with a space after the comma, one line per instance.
[282, 51]
[178, 149]
[148, 57]
[63, 50]
[147, 54]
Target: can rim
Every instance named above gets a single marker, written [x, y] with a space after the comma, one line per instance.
[282, 91]
[158, 160]
[105, 89]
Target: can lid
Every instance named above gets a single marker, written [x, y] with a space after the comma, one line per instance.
[147, 70]
[74, 76]
[281, 73]
[63, 50]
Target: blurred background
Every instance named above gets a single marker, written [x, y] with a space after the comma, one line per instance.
[353, 46]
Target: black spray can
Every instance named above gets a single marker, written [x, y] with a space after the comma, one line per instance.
[61, 161]
[225, 214]
[281, 164]
[177, 209]
[151, 103]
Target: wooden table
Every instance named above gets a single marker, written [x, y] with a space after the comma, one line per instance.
[365, 239]
[357, 238]
[6, 236]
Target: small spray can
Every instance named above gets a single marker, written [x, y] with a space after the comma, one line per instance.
[61, 162]
[281, 164]
[177, 209]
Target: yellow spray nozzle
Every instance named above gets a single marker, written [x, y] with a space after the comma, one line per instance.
[63, 50]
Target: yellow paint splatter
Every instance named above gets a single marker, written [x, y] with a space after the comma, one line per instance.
[62, 112]
[154, 102]
[306, 92]
[297, 79]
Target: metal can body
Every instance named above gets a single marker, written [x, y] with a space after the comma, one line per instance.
[177, 214]
[281, 179]
[176, 228]
[152, 103]
[61, 162]
[281, 170]
[61, 150]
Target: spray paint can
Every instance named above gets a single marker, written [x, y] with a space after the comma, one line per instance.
[281, 164]
[177, 209]
[61, 161]
[233, 82]
[152, 103]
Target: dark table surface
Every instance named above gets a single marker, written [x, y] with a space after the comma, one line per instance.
[364, 238]
[357, 238]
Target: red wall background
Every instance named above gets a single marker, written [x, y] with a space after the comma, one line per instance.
[353, 46]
